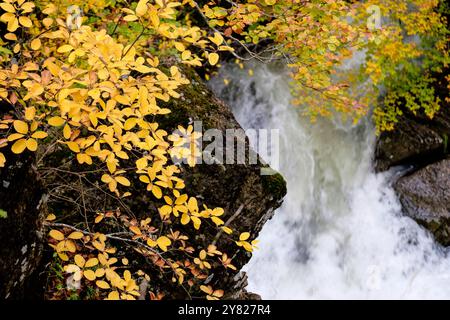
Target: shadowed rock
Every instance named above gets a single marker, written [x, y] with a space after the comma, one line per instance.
[425, 197]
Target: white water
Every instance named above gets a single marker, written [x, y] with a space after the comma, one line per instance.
[340, 233]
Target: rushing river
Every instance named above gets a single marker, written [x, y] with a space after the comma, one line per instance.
[340, 233]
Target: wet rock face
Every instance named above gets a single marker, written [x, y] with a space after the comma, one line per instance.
[410, 142]
[425, 197]
[20, 232]
[422, 144]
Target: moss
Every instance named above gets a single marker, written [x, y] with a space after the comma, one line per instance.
[275, 185]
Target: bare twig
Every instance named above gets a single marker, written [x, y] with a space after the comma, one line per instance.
[219, 234]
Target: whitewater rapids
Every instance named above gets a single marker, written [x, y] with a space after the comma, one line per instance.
[340, 233]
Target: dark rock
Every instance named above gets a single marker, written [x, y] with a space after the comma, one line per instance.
[21, 197]
[425, 197]
[416, 139]
[410, 142]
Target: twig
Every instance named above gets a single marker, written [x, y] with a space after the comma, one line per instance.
[111, 236]
[84, 204]
[219, 234]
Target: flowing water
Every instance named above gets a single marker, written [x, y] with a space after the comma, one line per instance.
[340, 232]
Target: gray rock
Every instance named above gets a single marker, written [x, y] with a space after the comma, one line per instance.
[425, 197]
[410, 142]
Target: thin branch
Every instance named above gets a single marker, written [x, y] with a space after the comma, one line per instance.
[219, 234]
[250, 52]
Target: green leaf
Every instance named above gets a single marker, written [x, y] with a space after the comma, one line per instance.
[3, 214]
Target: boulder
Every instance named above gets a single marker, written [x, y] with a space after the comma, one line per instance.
[425, 197]
[410, 142]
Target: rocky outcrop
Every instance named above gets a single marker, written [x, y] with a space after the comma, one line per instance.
[248, 198]
[425, 196]
[422, 144]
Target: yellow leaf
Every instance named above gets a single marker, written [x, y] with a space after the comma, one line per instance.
[152, 243]
[157, 192]
[56, 121]
[21, 126]
[185, 219]
[179, 46]
[25, 21]
[123, 181]
[186, 55]
[106, 178]
[65, 48]
[67, 132]
[135, 230]
[84, 158]
[165, 210]
[114, 295]
[79, 261]
[99, 273]
[142, 164]
[2, 160]
[35, 90]
[102, 284]
[57, 235]
[130, 123]
[15, 136]
[141, 8]
[91, 263]
[197, 222]
[122, 100]
[76, 235]
[30, 113]
[39, 135]
[125, 261]
[217, 39]
[130, 17]
[217, 221]
[27, 7]
[13, 25]
[63, 256]
[163, 242]
[70, 246]
[213, 58]
[99, 218]
[19, 146]
[154, 17]
[32, 144]
[50, 217]
[47, 22]
[90, 275]
[35, 44]
[8, 7]
[244, 236]
[71, 268]
[192, 205]
[227, 230]
[73, 146]
[206, 289]
[11, 37]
